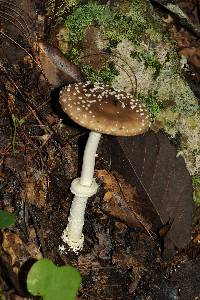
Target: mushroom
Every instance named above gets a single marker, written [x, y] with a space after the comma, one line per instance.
[102, 109]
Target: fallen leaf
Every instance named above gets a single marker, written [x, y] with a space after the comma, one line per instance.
[122, 201]
[18, 251]
[150, 163]
[56, 67]
[13, 246]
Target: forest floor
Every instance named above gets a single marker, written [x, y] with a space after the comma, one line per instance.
[39, 157]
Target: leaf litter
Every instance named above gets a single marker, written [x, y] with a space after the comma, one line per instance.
[128, 232]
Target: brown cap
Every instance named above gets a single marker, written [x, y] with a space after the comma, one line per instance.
[104, 109]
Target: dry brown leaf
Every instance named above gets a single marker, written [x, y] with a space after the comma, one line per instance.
[150, 163]
[122, 201]
[18, 251]
[57, 69]
[13, 246]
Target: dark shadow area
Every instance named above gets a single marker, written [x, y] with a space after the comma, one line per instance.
[23, 273]
[9, 276]
[57, 109]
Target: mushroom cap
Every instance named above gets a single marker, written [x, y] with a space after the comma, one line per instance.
[104, 109]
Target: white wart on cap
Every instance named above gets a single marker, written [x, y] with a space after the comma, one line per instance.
[104, 109]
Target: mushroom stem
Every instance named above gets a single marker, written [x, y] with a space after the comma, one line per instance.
[87, 172]
[83, 188]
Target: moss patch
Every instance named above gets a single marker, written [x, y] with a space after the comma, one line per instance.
[152, 103]
[105, 74]
[196, 185]
[130, 20]
[140, 59]
[116, 25]
[83, 17]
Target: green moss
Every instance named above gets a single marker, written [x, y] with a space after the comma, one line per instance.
[137, 45]
[115, 25]
[149, 59]
[74, 55]
[197, 197]
[71, 3]
[105, 74]
[185, 101]
[120, 28]
[83, 17]
[169, 125]
[129, 29]
[173, 61]
[127, 21]
[196, 186]
[196, 181]
[152, 103]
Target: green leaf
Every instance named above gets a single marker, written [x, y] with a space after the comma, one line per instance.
[21, 121]
[51, 282]
[14, 119]
[6, 219]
